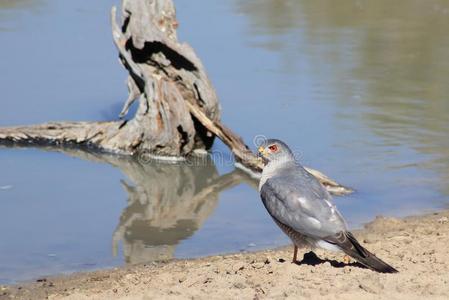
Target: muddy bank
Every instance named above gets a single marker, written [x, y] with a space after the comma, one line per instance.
[417, 246]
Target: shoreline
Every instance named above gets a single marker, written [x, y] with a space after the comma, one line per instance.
[418, 246]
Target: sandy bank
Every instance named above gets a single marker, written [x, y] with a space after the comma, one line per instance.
[417, 246]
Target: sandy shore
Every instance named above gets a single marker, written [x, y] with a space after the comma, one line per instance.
[417, 246]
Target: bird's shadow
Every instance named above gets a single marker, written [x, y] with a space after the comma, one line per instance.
[311, 259]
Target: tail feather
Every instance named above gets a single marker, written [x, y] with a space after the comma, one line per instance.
[348, 243]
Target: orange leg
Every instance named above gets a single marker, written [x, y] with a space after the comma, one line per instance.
[295, 253]
[346, 259]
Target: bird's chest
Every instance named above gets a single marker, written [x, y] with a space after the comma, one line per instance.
[267, 173]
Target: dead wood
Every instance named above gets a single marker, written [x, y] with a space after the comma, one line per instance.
[178, 110]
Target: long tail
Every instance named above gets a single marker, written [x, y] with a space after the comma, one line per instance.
[347, 242]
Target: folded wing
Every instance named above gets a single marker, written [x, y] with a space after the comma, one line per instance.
[299, 201]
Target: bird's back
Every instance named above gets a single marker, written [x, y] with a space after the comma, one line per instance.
[297, 199]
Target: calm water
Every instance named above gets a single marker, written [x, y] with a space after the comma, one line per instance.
[359, 88]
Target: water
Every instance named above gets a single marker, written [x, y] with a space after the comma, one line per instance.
[359, 88]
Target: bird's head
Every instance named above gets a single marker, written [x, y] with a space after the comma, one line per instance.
[276, 151]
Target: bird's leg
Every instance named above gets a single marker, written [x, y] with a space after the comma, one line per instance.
[346, 259]
[295, 253]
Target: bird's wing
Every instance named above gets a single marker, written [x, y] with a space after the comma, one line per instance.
[297, 200]
[301, 202]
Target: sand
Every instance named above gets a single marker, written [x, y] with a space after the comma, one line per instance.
[417, 246]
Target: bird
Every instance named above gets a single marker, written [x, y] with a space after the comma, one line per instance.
[302, 207]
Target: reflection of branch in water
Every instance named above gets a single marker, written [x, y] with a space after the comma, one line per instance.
[167, 205]
[167, 202]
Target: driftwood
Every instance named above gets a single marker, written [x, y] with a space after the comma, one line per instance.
[178, 110]
[162, 74]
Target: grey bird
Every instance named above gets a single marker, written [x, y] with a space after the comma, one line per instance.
[303, 208]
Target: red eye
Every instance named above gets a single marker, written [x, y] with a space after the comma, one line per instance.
[273, 148]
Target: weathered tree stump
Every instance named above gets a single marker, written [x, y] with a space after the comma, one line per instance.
[178, 110]
[163, 75]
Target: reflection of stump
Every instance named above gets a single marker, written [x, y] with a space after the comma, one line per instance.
[167, 203]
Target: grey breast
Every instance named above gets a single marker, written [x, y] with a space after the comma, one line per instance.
[296, 199]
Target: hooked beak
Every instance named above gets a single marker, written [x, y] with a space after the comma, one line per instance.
[262, 155]
[261, 151]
